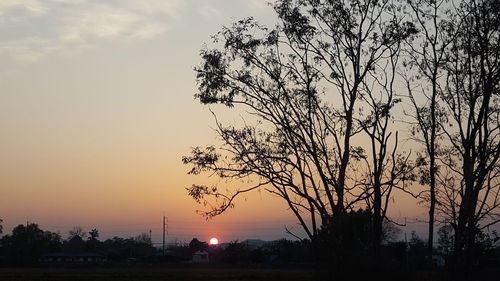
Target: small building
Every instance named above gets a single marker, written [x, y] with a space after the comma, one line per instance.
[83, 258]
[200, 257]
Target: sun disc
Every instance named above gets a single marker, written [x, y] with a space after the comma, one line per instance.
[214, 241]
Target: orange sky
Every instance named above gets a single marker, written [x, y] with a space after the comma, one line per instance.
[97, 111]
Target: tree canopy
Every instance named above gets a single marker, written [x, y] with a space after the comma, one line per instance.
[327, 92]
[306, 82]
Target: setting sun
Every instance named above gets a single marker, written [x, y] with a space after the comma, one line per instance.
[214, 241]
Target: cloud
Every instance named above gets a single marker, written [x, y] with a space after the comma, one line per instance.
[70, 26]
[258, 4]
[100, 22]
[208, 13]
[149, 31]
[33, 49]
[27, 7]
[28, 49]
[155, 7]
[68, 1]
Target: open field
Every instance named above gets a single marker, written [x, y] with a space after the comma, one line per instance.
[151, 274]
[199, 273]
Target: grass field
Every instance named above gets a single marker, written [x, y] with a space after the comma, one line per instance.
[199, 273]
[151, 274]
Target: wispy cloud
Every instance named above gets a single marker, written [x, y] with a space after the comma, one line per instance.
[168, 8]
[70, 26]
[258, 4]
[208, 12]
[99, 22]
[17, 7]
[34, 49]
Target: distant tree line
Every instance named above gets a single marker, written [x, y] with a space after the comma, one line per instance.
[27, 243]
[349, 101]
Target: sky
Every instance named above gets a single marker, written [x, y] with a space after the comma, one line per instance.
[97, 109]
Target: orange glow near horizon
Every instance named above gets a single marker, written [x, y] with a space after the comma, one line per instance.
[214, 241]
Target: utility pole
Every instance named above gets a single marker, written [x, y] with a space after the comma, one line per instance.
[165, 220]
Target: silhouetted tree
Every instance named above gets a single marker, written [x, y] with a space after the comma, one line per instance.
[357, 233]
[76, 231]
[484, 246]
[143, 238]
[445, 240]
[93, 243]
[471, 97]
[237, 252]
[305, 83]
[75, 244]
[142, 246]
[386, 168]
[119, 248]
[427, 57]
[390, 232]
[1, 226]
[288, 251]
[94, 234]
[323, 79]
[27, 243]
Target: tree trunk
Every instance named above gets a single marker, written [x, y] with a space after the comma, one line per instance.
[377, 222]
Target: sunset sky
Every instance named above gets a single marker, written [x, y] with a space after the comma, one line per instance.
[97, 109]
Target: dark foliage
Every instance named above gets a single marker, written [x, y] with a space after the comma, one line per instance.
[27, 243]
[197, 245]
[326, 76]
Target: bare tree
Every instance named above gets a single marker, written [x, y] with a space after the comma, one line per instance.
[471, 98]
[387, 168]
[427, 57]
[77, 231]
[305, 82]
[94, 234]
